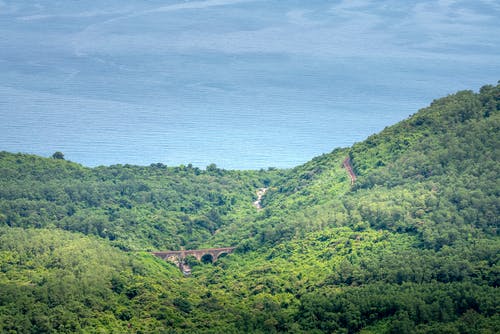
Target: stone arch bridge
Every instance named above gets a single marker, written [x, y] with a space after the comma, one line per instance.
[179, 256]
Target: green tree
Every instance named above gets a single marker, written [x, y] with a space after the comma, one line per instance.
[58, 155]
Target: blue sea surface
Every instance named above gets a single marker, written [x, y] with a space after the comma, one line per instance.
[244, 84]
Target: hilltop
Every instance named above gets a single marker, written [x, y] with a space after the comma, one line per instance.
[411, 246]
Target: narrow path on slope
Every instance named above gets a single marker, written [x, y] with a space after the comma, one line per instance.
[260, 193]
[348, 167]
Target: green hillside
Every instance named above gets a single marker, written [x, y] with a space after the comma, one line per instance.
[411, 247]
[136, 208]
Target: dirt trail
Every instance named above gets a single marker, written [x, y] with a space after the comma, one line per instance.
[347, 165]
[260, 193]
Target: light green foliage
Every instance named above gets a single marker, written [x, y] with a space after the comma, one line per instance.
[51, 280]
[412, 247]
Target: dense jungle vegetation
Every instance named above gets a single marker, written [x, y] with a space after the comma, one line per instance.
[411, 247]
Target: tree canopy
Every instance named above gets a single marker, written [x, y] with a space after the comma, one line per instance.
[411, 247]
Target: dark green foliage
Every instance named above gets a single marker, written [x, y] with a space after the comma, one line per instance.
[134, 207]
[58, 155]
[412, 247]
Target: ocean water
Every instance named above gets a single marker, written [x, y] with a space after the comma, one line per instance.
[242, 84]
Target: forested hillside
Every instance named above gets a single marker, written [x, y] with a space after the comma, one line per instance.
[411, 247]
[137, 208]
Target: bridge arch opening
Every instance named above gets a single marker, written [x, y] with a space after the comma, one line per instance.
[207, 258]
[224, 254]
[191, 261]
[173, 258]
